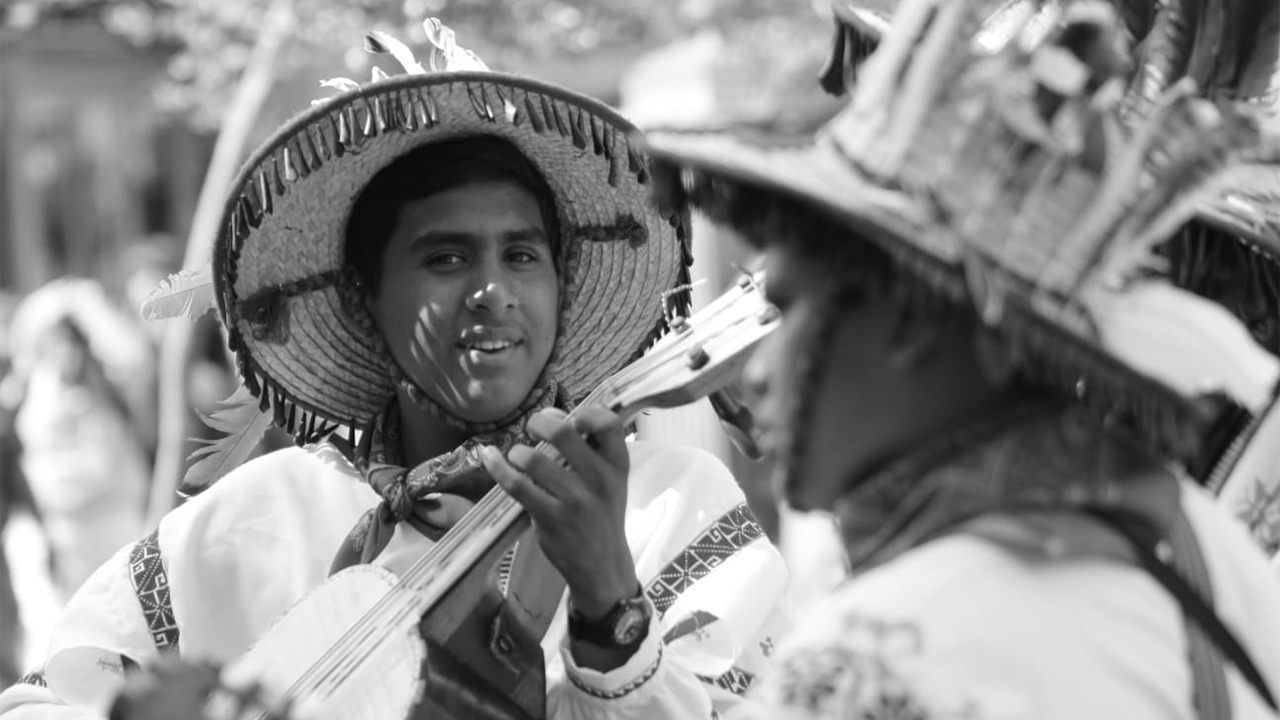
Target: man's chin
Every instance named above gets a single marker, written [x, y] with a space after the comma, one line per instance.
[485, 403]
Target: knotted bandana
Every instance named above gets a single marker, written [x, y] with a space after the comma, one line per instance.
[434, 495]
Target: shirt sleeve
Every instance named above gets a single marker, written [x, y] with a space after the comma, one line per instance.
[214, 574]
[101, 625]
[716, 586]
[28, 701]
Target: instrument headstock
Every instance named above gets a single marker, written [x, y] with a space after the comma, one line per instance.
[700, 354]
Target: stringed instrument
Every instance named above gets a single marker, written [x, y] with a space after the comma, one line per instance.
[353, 648]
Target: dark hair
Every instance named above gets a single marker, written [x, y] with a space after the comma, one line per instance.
[429, 170]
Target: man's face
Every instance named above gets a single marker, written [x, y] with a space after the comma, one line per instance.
[855, 405]
[469, 297]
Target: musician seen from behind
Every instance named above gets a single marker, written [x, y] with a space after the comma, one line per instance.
[983, 374]
[440, 265]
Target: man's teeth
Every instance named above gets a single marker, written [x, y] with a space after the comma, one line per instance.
[492, 345]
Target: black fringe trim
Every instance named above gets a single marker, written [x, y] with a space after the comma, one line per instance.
[1189, 430]
[766, 216]
[1224, 268]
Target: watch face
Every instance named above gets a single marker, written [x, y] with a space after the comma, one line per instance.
[629, 625]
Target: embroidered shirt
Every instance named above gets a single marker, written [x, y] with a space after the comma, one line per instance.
[224, 565]
[963, 627]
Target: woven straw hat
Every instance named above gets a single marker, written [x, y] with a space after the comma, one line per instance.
[1047, 223]
[305, 345]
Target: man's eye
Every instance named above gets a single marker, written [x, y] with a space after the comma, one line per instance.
[445, 259]
[522, 256]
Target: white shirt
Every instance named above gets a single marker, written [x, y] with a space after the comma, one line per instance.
[961, 627]
[239, 555]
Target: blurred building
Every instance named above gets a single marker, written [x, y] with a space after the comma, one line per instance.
[87, 166]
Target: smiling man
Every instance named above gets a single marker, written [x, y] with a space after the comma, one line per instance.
[443, 265]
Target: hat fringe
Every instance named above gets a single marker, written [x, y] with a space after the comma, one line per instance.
[762, 215]
[1222, 267]
[1192, 430]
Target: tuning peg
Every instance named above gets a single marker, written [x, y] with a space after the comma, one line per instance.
[698, 358]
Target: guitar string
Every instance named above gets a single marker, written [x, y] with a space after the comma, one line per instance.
[394, 608]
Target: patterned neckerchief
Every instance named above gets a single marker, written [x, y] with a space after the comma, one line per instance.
[435, 494]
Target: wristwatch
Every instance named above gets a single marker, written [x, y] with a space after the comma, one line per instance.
[626, 625]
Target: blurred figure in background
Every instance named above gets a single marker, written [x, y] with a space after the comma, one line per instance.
[81, 449]
[15, 497]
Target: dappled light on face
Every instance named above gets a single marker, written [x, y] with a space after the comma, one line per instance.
[426, 357]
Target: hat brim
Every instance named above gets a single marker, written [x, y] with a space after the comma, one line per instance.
[1052, 352]
[303, 342]
[814, 174]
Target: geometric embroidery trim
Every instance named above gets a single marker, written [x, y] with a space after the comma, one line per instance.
[736, 680]
[151, 586]
[733, 531]
[625, 689]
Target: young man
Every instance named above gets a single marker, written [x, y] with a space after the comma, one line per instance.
[979, 375]
[446, 263]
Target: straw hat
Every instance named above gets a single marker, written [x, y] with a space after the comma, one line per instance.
[306, 346]
[999, 174]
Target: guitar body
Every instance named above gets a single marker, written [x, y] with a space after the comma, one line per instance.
[380, 680]
[358, 647]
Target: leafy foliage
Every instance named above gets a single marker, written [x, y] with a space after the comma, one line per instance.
[213, 38]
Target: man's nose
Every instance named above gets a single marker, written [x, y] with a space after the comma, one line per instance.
[492, 291]
[491, 295]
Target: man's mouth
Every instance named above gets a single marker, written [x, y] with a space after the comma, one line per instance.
[490, 346]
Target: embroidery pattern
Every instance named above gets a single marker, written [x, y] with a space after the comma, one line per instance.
[858, 673]
[766, 647]
[735, 680]
[151, 586]
[692, 625]
[1260, 510]
[35, 677]
[625, 689]
[733, 531]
